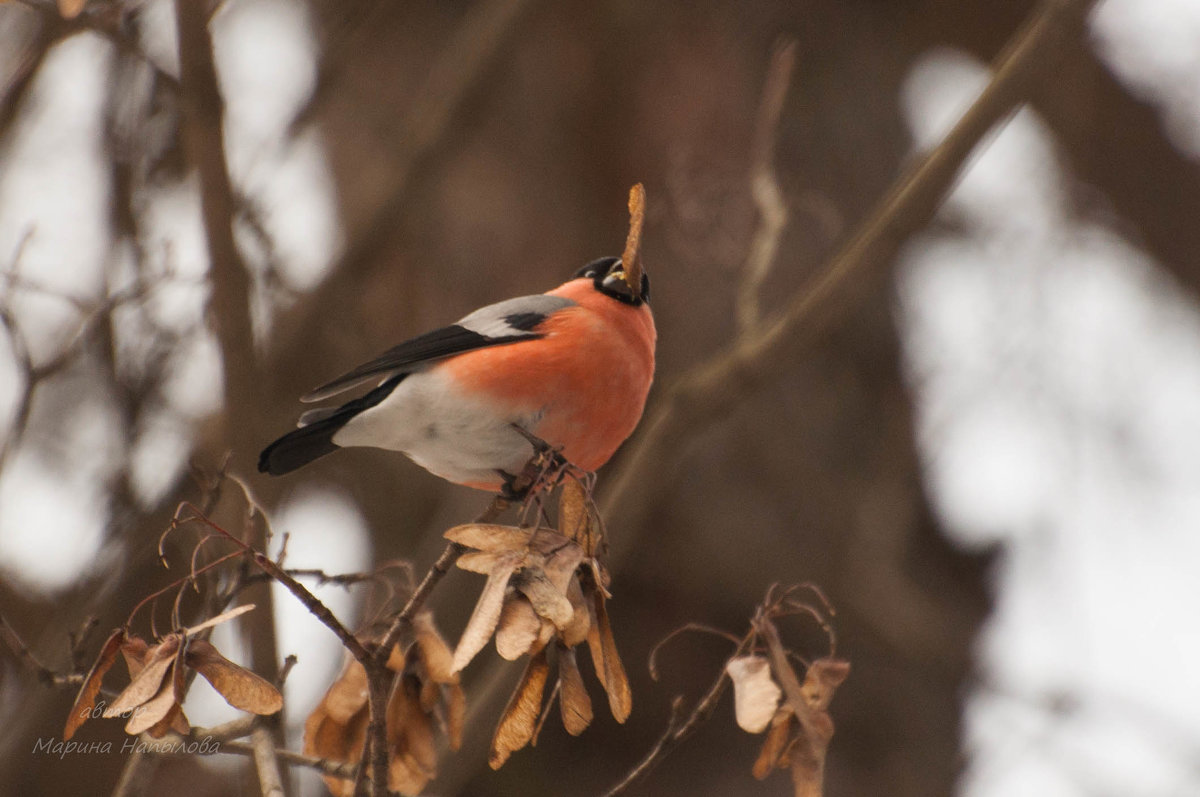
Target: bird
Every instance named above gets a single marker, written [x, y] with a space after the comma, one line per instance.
[471, 402]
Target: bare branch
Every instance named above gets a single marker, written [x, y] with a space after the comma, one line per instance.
[772, 210]
[222, 739]
[24, 655]
[266, 762]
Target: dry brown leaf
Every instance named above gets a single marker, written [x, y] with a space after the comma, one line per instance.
[85, 701]
[520, 717]
[456, 714]
[490, 537]
[419, 744]
[336, 728]
[572, 695]
[775, 746]
[397, 659]
[326, 737]
[581, 620]
[348, 694]
[134, 652]
[334, 741]
[546, 598]
[240, 687]
[481, 562]
[224, 617]
[435, 655]
[607, 662]
[573, 518]
[438, 679]
[411, 752]
[823, 678]
[519, 627]
[151, 712]
[174, 719]
[561, 560]
[404, 776]
[755, 695]
[147, 684]
[486, 614]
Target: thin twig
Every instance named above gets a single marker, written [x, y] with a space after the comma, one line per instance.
[764, 187]
[314, 606]
[222, 739]
[808, 762]
[777, 603]
[678, 729]
[25, 656]
[32, 374]
[136, 774]
[263, 562]
[266, 762]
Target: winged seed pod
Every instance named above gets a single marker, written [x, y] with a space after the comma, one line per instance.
[427, 694]
[540, 587]
[801, 728]
[755, 695]
[154, 696]
[528, 570]
[158, 681]
[543, 586]
[85, 701]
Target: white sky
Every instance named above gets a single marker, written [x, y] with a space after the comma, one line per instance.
[1056, 369]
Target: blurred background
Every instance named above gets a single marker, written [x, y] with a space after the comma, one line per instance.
[988, 460]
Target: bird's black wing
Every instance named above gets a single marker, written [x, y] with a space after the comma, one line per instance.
[504, 322]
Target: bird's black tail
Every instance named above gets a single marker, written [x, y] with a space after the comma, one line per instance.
[300, 447]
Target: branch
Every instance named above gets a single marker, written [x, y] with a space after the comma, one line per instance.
[266, 761]
[678, 729]
[94, 315]
[24, 655]
[764, 187]
[462, 63]
[203, 121]
[712, 390]
[222, 739]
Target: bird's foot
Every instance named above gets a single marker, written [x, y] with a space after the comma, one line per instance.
[543, 471]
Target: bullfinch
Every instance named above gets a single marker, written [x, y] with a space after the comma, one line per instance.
[571, 367]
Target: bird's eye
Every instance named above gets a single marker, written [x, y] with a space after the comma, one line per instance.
[596, 267]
